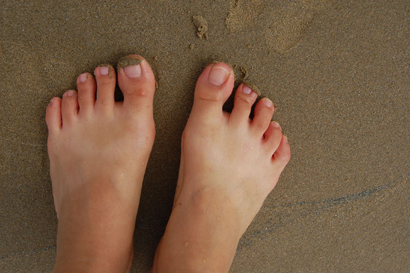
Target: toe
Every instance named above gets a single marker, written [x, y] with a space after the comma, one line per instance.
[137, 83]
[281, 156]
[212, 89]
[263, 114]
[244, 99]
[69, 107]
[53, 116]
[272, 137]
[86, 92]
[106, 80]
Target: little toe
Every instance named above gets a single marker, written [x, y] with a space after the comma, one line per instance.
[281, 156]
[106, 80]
[53, 116]
[272, 137]
[213, 88]
[69, 107]
[86, 92]
[244, 99]
[263, 114]
[137, 83]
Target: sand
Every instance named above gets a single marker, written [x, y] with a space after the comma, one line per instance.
[337, 71]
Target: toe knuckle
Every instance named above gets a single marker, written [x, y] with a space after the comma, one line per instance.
[246, 100]
[210, 95]
[141, 92]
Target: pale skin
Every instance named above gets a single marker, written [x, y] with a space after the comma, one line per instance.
[99, 150]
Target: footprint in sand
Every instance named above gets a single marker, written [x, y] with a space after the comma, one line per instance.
[241, 14]
[286, 25]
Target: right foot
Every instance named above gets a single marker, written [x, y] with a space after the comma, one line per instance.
[98, 151]
[229, 164]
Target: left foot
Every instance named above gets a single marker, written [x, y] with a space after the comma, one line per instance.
[98, 151]
[229, 164]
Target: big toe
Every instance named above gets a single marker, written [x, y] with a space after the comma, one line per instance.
[213, 88]
[137, 83]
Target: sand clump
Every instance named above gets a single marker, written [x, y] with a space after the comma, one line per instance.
[202, 26]
[127, 61]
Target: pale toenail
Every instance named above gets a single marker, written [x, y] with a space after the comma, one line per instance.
[133, 71]
[83, 77]
[276, 125]
[246, 89]
[268, 103]
[70, 93]
[285, 138]
[104, 70]
[218, 75]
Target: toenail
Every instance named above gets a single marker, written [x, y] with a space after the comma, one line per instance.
[104, 70]
[275, 124]
[218, 75]
[133, 71]
[246, 89]
[285, 138]
[83, 77]
[268, 103]
[70, 93]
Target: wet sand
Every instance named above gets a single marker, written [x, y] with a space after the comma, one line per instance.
[338, 72]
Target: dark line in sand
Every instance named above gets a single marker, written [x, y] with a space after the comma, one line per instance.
[249, 240]
[344, 199]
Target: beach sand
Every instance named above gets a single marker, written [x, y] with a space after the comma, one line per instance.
[337, 70]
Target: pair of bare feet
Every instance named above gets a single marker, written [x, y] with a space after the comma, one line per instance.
[99, 149]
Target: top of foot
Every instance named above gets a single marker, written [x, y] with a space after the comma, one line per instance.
[98, 151]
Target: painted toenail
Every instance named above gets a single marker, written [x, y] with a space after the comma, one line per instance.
[268, 103]
[133, 71]
[70, 93]
[83, 77]
[276, 125]
[218, 75]
[246, 89]
[104, 70]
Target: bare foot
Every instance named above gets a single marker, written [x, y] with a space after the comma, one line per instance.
[98, 151]
[229, 164]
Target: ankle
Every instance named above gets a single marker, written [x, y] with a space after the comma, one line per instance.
[88, 248]
[202, 235]
[94, 260]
